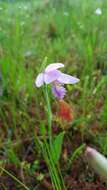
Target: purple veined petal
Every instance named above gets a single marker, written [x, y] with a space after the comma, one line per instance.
[51, 76]
[53, 66]
[67, 79]
[39, 80]
[58, 91]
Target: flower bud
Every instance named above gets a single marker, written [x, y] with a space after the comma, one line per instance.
[97, 161]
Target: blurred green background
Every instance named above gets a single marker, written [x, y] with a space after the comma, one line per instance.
[71, 32]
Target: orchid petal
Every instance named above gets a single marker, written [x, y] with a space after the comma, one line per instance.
[51, 76]
[39, 80]
[67, 79]
[53, 66]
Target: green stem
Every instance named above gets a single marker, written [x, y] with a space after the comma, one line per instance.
[49, 114]
[62, 180]
[52, 173]
[53, 167]
[13, 177]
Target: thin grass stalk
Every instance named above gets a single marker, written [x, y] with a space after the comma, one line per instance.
[14, 178]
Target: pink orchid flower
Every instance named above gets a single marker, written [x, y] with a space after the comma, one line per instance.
[51, 75]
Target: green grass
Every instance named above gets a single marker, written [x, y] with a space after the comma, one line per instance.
[69, 32]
